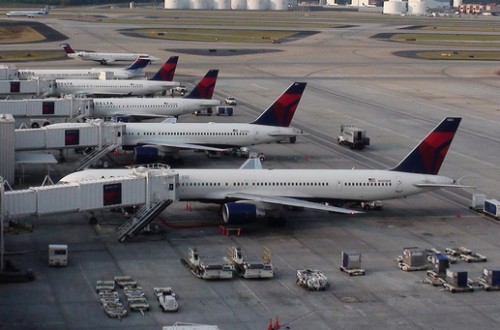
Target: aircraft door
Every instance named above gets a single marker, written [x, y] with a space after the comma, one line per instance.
[399, 185]
[339, 185]
[256, 135]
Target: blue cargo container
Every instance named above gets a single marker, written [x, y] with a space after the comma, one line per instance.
[492, 207]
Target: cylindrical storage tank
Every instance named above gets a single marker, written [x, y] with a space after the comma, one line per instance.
[238, 4]
[417, 7]
[278, 4]
[221, 4]
[258, 4]
[394, 7]
[198, 4]
[176, 4]
[457, 3]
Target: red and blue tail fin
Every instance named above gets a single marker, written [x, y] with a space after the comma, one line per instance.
[140, 63]
[167, 70]
[67, 48]
[281, 112]
[428, 156]
[205, 87]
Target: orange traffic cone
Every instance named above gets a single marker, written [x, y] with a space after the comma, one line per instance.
[270, 325]
[277, 323]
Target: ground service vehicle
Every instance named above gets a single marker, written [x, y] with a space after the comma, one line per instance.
[230, 100]
[58, 255]
[353, 137]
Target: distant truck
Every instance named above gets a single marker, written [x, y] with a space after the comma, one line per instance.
[219, 111]
[353, 136]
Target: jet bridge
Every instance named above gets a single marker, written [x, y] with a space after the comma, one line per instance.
[154, 189]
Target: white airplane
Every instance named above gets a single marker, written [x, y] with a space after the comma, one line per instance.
[157, 107]
[104, 58]
[28, 13]
[160, 82]
[150, 140]
[249, 192]
[136, 69]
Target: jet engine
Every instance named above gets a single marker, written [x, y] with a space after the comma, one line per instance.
[144, 155]
[241, 213]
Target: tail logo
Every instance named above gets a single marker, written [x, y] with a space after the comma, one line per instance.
[205, 87]
[433, 150]
[167, 71]
[282, 111]
[429, 155]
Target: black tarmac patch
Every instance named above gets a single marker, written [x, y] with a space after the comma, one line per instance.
[221, 52]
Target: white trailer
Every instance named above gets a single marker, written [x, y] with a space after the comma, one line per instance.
[58, 255]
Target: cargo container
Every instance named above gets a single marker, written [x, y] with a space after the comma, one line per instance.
[224, 111]
[492, 277]
[492, 207]
[414, 257]
[351, 259]
[457, 279]
[477, 202]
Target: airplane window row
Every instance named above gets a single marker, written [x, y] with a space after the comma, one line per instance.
[190, 133]
[266, 184]
[367, 184]
[168, 105]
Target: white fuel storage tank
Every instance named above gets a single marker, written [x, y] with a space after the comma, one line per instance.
[221, 4]
[394, 7]
[417, 7]
[176, 4]
[238, 4]
[198, 4]
[258, 4]
[278, 4]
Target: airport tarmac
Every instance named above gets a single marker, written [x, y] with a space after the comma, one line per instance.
[352, 79]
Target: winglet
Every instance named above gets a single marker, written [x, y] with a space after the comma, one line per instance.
[205, 87]
[428, 156]
[140, 63]
[167, 70]
[281, 112]
[67, 48]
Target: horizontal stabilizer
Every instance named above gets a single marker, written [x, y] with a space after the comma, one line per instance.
[251, 164]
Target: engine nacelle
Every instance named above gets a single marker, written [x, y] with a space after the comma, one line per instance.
[144, 155]
[241, 213]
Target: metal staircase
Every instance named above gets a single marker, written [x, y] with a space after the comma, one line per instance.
[141, 219]
[97, 153]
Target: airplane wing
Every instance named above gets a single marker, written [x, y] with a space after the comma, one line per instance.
[142, 116]
[291, 202]
[440, 185]
[185, 146]
[101, 94]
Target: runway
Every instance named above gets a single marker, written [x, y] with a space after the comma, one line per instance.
[352, 79]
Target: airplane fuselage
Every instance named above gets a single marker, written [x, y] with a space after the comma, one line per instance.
[215, 185]
[112, 87]
[78, 73]
[109, 57]
[221, 135]
[161, 106]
